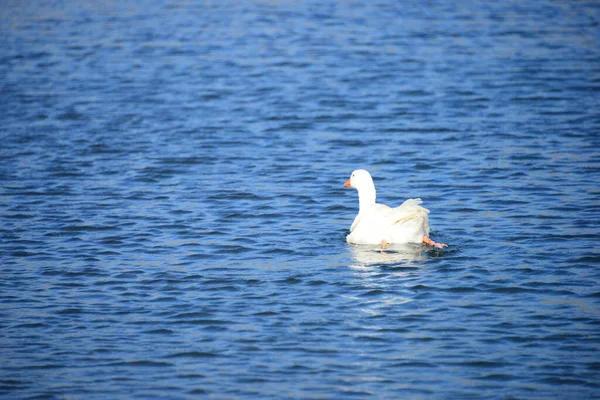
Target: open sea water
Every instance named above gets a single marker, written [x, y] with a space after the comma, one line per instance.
[173, 219]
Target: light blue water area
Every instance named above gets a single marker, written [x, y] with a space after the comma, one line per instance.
[174, 221]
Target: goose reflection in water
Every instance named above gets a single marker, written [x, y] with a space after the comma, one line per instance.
[401, 255]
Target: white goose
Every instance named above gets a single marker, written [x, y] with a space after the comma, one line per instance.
[383, 225]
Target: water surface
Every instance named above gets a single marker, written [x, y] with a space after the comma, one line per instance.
[173, 217]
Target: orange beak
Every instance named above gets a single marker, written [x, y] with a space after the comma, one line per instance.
[347, 184]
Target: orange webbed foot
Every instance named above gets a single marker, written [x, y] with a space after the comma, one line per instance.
[430, 242]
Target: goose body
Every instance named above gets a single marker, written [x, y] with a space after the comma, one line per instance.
[379, 224]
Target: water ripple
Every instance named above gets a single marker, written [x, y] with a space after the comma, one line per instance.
[174, 219]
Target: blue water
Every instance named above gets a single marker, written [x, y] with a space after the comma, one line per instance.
[173, 217]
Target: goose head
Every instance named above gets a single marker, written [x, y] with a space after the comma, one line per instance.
[361, 181]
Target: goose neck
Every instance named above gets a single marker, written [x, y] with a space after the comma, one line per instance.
[366, 198]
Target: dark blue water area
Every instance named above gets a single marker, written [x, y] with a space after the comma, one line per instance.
[174, 221]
